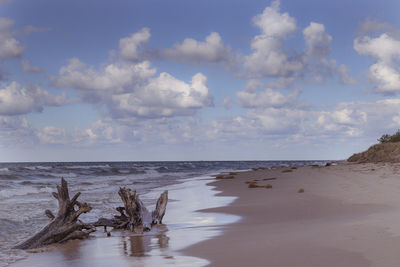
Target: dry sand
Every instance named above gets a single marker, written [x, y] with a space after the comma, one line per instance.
[348, 215]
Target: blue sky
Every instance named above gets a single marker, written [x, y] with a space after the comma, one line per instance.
[196, 80]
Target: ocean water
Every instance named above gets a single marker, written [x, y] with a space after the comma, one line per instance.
[25, 193]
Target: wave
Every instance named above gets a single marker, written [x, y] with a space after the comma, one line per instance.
[59, 175]
[187, 165]
[123, 171]
[23, 190]
[33, 168]
[8, 176]
[44, 167]
[128, 171]
[4, 170]
[87, 166]
[36, 183]
[162, 169]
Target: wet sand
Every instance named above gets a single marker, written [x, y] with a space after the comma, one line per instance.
[160, 247]
[348, 215]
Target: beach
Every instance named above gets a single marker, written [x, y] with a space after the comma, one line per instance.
[339, 215]
[348, 215]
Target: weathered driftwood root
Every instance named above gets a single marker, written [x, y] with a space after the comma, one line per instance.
[134, 216]
[65, 225]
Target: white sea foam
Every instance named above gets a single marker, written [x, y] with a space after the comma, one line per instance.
[65, 175]
[32, 168]
[44, 167]
[4, 170]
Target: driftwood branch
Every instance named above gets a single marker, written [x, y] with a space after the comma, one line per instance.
[65, 225]
[159, 212]
[134, 216]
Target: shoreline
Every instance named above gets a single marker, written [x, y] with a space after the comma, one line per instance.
[183, 226]
[348, 215]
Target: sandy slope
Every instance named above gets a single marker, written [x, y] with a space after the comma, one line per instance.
[349, 215]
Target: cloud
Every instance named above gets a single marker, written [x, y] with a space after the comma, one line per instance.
[269, 59]
[17, 100]
[361, 120]
[16, 131]
[163, 96]
[383, 48]
[317, 50]
[211, 51]
[317, 40]
[31, 29]
[128, 47]
[26, 67]
[9, 46]
[131, 89]
[371, 26]
[51, 135]
[385, 51]
[257, 124]
[345, 120]
[119, 77]
[311, 125]
[111, 132]
[344, 76]
[227, 102]
[274, 24]
[266, 98]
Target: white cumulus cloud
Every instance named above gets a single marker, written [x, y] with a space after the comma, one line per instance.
[163, 96]
[132, 89]
[317, 40]
[212, 50]
[128, 46]
[385, 51]
[16, 99]
[269, 58]
[116, 77]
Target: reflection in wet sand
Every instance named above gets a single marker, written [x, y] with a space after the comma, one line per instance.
[140, 245]
[72, 251]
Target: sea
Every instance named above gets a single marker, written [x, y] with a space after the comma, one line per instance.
[25, 193]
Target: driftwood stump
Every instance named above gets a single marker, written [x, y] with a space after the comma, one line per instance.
[134, 216]
[65, 225]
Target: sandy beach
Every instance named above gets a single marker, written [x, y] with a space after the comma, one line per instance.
[348, 215]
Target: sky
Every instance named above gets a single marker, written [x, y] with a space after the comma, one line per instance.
[172, 80]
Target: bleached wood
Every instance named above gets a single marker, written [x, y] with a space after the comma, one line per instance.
[65, 225]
